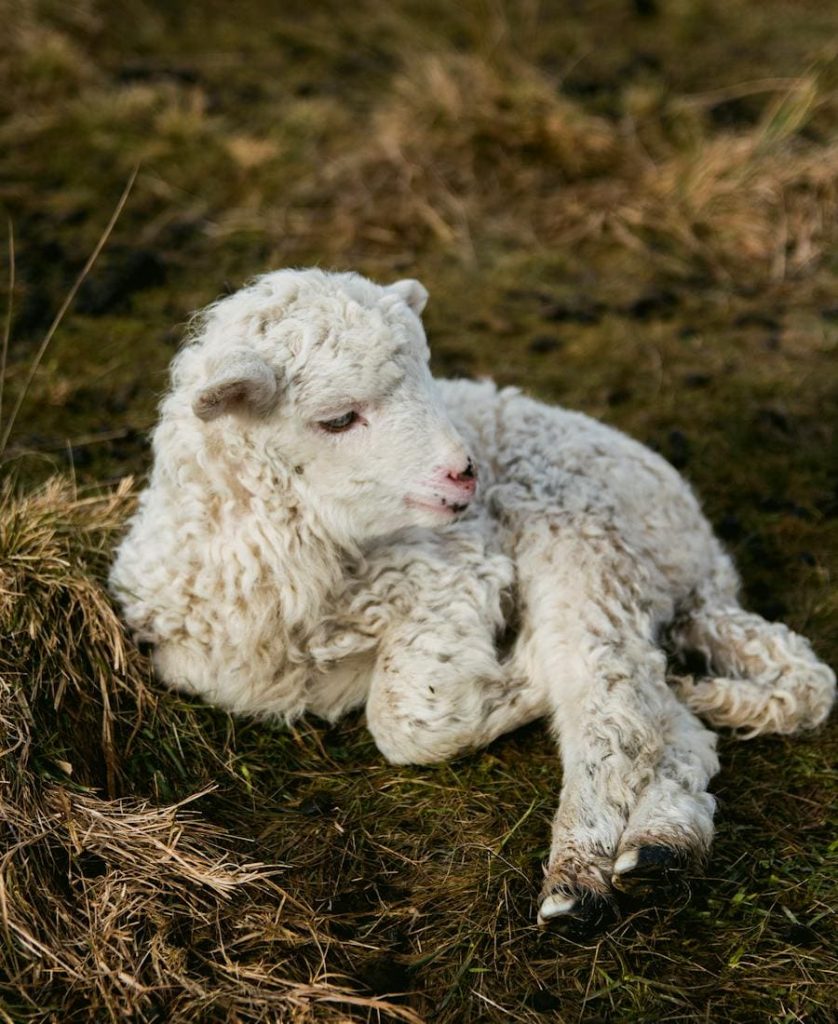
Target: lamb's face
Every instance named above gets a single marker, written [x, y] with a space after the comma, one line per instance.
[335, 383]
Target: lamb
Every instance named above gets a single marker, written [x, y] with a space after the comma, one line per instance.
[312, 539]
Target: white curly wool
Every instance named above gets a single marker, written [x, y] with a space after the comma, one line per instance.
[311, 540]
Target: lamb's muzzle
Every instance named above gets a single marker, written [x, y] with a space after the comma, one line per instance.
[452, 489]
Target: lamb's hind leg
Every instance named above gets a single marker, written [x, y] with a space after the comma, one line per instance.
[769, 679]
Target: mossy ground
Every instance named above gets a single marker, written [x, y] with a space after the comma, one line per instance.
[626, 207]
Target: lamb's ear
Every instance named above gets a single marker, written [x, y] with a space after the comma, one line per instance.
[242, 383]
[414, 293]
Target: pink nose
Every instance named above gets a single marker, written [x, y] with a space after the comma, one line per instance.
[465, 479]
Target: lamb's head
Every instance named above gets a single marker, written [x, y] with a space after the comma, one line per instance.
[327, 375]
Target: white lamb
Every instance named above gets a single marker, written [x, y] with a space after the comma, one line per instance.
[312, 540]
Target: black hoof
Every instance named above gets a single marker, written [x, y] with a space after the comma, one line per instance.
[648, 870]
[577, 915]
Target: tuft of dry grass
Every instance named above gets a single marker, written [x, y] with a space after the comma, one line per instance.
[458, 139]
[759, 205]
[120, 908]
[462, 143]
[50, 542]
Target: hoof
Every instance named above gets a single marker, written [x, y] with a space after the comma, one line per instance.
[577, 915]
[649, 869]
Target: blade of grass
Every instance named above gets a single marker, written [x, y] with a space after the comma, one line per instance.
[68, 301]
[7, 328]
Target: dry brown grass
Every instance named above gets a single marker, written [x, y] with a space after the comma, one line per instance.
[120, 908]
[460, 139]
[753, 206]
[462, 144]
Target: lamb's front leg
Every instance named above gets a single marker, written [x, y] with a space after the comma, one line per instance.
[632, 782]
[606, 698]
[671, 826]
[438, 690]
[634, 810]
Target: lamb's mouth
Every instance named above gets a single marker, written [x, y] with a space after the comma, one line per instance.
[441, 507]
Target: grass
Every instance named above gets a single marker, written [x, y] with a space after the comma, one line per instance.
[629, 208]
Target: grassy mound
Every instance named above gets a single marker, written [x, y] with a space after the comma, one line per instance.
[120, 906]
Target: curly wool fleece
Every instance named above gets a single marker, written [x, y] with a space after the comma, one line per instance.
[312, 539]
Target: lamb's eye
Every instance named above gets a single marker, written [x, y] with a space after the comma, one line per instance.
[341, 423]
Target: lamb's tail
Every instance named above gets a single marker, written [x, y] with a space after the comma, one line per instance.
[769, 679]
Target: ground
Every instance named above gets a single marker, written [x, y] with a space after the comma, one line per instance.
[626, 207]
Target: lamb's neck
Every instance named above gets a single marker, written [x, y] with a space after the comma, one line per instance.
[307, 567]
[270, 538]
